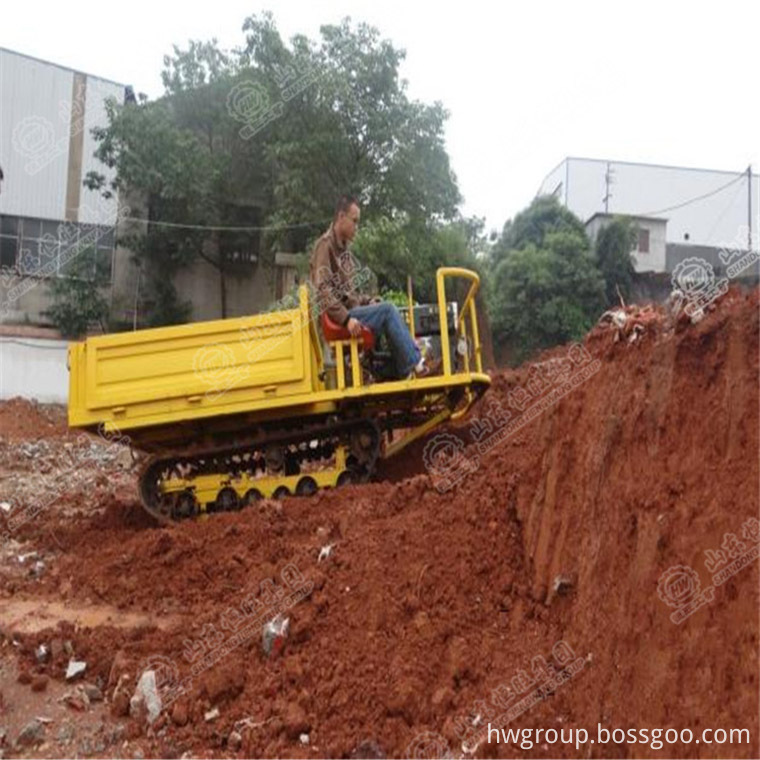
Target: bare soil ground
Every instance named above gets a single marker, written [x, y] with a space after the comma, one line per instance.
[447, 595]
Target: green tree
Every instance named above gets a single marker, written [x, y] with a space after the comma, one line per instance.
[78, 300]
[396, 248]
[545, 289]
[353, 128]
[544, 215]
[613, 247]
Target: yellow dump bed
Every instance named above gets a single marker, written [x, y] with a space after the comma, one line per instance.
[154, 376]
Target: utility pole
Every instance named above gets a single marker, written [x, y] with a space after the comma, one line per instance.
[607, 182]
[749, 207]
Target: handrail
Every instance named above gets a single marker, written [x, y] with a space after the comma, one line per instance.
[468, 307]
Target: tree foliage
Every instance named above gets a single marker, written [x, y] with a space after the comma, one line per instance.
[345, 125]
[544, 215]
[78, 300]
[545, 286]
[613, 247]
[396, 248]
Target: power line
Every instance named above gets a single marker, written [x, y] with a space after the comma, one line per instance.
[694, 200]
[723, 213]
[228, 229]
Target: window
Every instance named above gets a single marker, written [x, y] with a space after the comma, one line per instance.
[44, 248]
[8, 241]
[643, 243]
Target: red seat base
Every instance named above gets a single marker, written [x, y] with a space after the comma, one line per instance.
[333, 331]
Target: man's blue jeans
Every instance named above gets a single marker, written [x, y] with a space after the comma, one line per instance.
[385, 319]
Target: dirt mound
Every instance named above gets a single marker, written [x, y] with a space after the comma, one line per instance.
[570, 508]
[24, 420]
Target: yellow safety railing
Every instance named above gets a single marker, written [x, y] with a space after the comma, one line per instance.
[466, 330]
[468, 313]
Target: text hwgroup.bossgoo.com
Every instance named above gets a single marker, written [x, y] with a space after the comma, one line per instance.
[656, 738]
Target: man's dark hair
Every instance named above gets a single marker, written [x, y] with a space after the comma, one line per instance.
[344, 203]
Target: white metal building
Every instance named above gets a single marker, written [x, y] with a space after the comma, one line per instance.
[47, 113]
[700, 207]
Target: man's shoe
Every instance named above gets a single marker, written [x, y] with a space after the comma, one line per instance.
[428, 368]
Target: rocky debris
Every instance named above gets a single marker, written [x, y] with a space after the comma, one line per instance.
[629, 322]
[211, 715]
[120, 698]
[325, 552]
[31, 734]
[234, 741]
[562, 585]
[304, 739]
[274, 634]
[65, 733]
[145, 703]
[75, 669]
[76, 699]
[94, 694]
[42, 653]
[119, 666]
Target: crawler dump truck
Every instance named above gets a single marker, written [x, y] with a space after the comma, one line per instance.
[284, 403]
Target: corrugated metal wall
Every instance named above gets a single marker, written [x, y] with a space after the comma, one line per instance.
[35, 134]
[92, 208]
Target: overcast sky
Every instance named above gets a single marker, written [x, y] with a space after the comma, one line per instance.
[526, 84]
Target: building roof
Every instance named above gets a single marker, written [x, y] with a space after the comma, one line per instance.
[59, 66]
[656, 166]
[631, 216]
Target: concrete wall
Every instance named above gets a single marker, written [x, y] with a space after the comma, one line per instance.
[34, 368]
[247, 293]
[46, 109]
[654, 260]
[677, 253]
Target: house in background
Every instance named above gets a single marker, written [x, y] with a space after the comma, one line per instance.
[649, 254]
